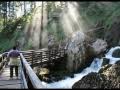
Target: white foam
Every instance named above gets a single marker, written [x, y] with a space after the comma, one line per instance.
[94, 67]
[109, 55]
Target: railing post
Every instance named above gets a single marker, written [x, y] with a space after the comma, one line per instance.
[33, 56]
[60, 53]
[55, 51]
[31, 78]
[49, 54]
[41, 58]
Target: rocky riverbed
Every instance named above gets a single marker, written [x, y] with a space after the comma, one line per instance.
[107, 77]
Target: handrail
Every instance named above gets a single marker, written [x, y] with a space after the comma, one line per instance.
[30, 75]
[25, 86]
[29, 51]
[2, 63]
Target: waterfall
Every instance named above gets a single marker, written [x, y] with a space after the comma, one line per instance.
[94, 67]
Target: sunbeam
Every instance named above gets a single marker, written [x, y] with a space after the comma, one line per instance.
[71, 19]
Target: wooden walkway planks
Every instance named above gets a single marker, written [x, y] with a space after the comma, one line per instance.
[6, 82]
[33, 58]
[43, 56]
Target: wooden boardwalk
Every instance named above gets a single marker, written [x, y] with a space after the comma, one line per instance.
[27, 77]
[43, 56]
[6, 82]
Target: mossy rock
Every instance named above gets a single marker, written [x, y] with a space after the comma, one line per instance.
[44, 71]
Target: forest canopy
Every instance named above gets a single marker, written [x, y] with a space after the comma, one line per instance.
[30, 22]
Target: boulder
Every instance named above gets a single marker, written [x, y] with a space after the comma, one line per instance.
[105, 61]
[118, 62]
[107, 78]
[92, 80]
[76, 52]
[112, 71]
[81, 52]
[104, 68]
[99, 46]
[116, 53]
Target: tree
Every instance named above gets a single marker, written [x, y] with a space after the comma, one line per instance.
[40, 44]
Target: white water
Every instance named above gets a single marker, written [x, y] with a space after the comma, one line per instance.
[94, 67]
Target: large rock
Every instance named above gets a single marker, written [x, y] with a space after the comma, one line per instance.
[99, 46]
[104, 68]
[108, 77]
[76, 51]
[118, 62]
[116, 53]
[105, 61]
[81, 53]
[92, 80]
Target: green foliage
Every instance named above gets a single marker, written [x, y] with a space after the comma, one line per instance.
[101, 13]
[11, 32]
[96, 12]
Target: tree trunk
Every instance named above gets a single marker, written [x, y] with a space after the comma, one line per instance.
[9, 7]
[34, 5]
[40, 44]
[5, 14]
[24, 8]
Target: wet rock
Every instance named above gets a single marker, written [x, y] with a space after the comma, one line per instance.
[107, 78]
[45, 78]
[112, 71]
[104, 68]
[105, 61]
[116, 53]
[92, 80]
[118, 62]
[99, 46]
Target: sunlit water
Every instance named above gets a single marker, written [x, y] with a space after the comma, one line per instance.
[94, 67]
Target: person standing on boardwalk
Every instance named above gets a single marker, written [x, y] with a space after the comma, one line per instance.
[13, 61]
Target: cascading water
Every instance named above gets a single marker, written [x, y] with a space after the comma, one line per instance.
[109, 55]
[94, 67]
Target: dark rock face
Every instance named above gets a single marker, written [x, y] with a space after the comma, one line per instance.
[118, 62]
[112, 35]
[104, 68]
[92, 80]
[105, 61]
[108, 77]
[116, 53]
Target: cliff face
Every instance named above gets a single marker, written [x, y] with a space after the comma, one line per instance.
[112, 35]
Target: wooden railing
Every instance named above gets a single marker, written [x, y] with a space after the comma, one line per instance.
[2, 63]
[27, 58]
[43, 56]
[29, 77]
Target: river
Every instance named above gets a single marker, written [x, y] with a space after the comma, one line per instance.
[94, 67]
